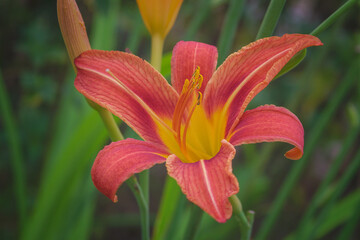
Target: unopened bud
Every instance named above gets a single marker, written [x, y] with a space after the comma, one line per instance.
[72, 28]
[159, 15]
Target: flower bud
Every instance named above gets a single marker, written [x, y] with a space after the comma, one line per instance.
[72, 28]
[159, 15]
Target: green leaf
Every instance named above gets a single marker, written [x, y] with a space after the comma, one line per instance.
[339, 214]
[294, 61]
[227, 35]
[168, 206]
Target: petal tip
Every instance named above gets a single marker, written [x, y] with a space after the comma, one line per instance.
[294, 154]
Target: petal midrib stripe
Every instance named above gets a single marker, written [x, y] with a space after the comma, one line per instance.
[208, 186]
[238, 88]
[134, 95]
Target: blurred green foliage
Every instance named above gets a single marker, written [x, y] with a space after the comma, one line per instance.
[58, 135]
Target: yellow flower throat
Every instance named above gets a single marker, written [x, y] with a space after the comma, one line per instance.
[195, 136]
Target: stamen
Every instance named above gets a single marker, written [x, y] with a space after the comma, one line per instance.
[187, 123]
[189, 99]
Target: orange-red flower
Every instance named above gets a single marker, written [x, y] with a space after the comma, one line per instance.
[194, 124]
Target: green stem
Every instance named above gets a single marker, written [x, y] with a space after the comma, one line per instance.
[144, 177]
[315, 135]
[157, 43]
[245, 221]
[143, 206]
[16, 154]
[333, 17]
[271, 18]
[139, 193]
[110, 124]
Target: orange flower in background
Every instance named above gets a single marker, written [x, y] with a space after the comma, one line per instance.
[194, 124]
[159, 15]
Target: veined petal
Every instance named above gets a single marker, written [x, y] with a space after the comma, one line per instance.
[246, 72]
[187, 56]
[208, 183]
[127, 86]
[270, 124]
[120, 160]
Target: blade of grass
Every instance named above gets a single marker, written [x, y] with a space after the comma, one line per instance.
[104, 25]
[15, 151]
[193, 223]
[227, 35]
[75, 120]
[84, 219]
[339, 214]
[311, 141]
[334, 17]
[351, 226]
[75, 189]
[178, 225]
[55, 184]
[136, 32]
[211, 230]
[167, 209]
[201, 12]
[323, 26]
[341, 187]
[271, 18]
[335, 166]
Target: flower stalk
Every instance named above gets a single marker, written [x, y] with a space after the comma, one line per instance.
[157, 43]
[76, 40]
[245, 221]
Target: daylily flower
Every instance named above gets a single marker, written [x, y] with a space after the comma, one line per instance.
[159, 15]
[194, 124]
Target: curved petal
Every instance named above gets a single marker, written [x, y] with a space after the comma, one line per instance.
[270, 124]
[189, 55]
[120, 160]
[127, 86]
[246, 72]
[208, 183]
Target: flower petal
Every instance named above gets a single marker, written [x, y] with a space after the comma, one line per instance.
[120, 160]
[133, 90]
[270, 124]
[248, 71]
[189, 55]
[208, 183]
